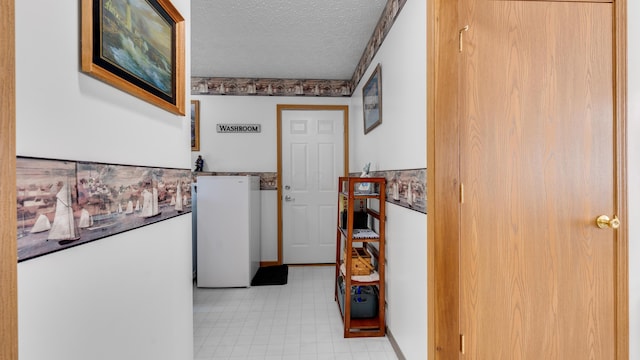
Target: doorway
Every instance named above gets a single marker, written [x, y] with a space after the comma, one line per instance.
[312, 154]
[531, 152]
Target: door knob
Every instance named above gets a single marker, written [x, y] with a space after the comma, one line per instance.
[604, 222]
[288, 198]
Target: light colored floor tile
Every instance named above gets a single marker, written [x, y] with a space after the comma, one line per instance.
[325, 348]
[358, 346]
[361, 356]
[298, 321]
[261, 339]
[223, 350]
[258, 350]
[240, 351]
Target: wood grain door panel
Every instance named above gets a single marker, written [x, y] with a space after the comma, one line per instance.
[538, 166]
[8, 243]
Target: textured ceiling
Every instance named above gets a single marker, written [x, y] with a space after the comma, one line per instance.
[293, 39]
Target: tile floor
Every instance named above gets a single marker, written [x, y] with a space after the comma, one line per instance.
[297, 321]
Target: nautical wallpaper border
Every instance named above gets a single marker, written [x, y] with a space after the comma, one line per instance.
[406, 188]
[267, 179]
[66, 203]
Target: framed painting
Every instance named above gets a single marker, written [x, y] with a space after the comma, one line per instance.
[372, 100]
[195, 125]
[138, 47]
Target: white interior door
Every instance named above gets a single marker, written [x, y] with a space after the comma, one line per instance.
[312, 161]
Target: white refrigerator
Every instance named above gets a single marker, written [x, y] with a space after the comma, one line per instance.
[228, 230]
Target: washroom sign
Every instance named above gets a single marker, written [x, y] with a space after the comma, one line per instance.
[238, 128]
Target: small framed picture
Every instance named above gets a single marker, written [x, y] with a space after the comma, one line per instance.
[195, 125]
[372, 100]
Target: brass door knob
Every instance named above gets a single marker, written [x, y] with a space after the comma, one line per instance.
[604, 222]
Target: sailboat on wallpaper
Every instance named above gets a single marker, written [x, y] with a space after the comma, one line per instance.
[150, 204]
[85, 219]
[42, 224]
[63, 228]
[178, 202]
[410, 197]
[129, 209]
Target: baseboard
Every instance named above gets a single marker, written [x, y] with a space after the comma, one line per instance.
[268, 263]
[318, 264]
[274, 263]
[395, 346]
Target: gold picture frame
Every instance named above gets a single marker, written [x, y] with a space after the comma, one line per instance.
[195, 125]
[136, 46]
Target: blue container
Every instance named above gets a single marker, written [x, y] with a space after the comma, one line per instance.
[364, 300]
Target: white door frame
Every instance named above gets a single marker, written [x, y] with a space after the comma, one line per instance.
[280, 109]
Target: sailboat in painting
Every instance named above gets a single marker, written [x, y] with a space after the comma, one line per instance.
[64, 228]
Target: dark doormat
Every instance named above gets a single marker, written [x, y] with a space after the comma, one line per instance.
[271, 275]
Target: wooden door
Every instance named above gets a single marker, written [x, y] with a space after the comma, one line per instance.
[538, 165]
[312, 157]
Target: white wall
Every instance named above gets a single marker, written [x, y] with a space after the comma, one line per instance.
[269, 226]
[633, 134]
[244, 152]
[400, 143]
[126, 296]
[248, 152]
